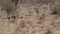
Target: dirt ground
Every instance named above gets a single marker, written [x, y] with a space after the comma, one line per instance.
[32, 19]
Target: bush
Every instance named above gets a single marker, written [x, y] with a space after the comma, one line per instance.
[8, 6]
[56, 10]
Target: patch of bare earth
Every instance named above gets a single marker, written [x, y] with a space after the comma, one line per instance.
[34, 19]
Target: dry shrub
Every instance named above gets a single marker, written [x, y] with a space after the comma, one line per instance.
[56, 10]
[10, 9]
[8, 6]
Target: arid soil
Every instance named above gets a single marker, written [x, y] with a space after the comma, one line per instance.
[31, 19]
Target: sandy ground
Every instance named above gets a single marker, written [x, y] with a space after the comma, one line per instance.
[34, 19]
